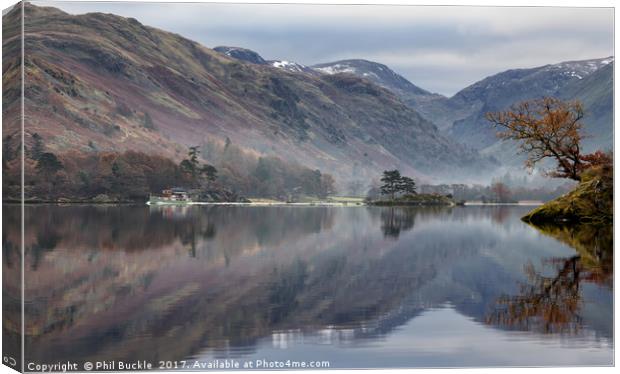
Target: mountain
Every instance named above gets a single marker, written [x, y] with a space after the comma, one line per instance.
[100, 82]
[252, 57]
[462, 115]
[373, 71]
[596, 93]
[291, 66]
[567, 80]
[241, 54]
[433, 107]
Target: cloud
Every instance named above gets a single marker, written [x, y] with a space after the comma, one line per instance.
[440, 48]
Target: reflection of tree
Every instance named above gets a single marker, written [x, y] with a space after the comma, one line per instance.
[47, 240]
[548, 304]
[594, 243]
[396, 219]
[499, 214]
[138, 228]
[147, 241]
[552, 303]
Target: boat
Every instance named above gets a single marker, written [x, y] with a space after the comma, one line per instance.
[172, 196]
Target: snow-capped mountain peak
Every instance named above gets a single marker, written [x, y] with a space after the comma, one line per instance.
[242, 54]
[290, 66]
[337, 68]
[373, 71]
[580, 69]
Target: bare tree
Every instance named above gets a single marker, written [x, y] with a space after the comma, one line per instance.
[546, 128]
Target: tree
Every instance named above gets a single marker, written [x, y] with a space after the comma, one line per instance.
[327, 186]
[407, 185]
[193, 154]
[190, 166]
[37, 146]
[545, 128]
[501, 191]
[210, 172]
[8, 152]
[48, 164]
[391, 180]
[599, 159]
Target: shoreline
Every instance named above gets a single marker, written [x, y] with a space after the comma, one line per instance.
[274, 204]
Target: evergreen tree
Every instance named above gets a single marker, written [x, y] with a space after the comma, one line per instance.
[193, 155]
[190, 166]
[391, 180]
[48, 164]
[37, 147]
[407, 185]
[210, 172]
[187, 167]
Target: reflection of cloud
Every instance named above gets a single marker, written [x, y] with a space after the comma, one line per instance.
[444, 338]
[440, 48]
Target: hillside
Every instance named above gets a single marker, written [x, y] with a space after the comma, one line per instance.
[434, 107]
[373, 71]
[100, 82]
[462, 116]
[589, 81]
[596, 92]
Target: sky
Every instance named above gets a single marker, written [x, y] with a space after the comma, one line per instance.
[442, 49]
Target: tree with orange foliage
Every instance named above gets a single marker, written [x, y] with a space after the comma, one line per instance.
[546, 128]
[599, 159]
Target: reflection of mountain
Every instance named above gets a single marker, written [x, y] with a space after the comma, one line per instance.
[259, 271]
[11, 286]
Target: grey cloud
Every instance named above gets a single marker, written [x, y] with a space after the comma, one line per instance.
[441, 49]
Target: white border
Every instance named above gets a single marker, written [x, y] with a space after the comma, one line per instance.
[561, 3]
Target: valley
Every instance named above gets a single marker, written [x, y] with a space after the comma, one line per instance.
[100, 84]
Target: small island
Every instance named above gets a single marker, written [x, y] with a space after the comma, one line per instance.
[399, 190]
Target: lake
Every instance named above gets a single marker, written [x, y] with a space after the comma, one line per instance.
[348, 287]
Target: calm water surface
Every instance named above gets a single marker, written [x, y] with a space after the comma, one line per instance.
[355, 286]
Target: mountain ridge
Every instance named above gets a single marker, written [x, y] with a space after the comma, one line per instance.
[458, 113]
[501, 90]
[90, 91]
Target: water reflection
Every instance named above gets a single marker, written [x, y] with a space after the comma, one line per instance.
[552, 303]
[126, 282]
[394, 220]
